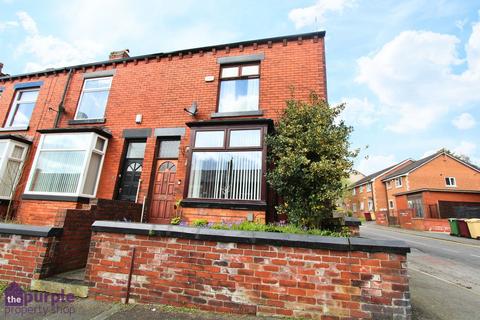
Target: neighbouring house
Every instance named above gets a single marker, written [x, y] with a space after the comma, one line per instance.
[130, 138]
[425, 193]
[368, 193]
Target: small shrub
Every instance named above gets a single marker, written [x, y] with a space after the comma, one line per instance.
[176, 221]
[200, 223]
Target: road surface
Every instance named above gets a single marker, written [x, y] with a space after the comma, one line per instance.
[444, 275]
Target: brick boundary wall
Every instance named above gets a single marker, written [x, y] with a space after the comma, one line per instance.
[26, 252]
[71, 251]
[254, 273]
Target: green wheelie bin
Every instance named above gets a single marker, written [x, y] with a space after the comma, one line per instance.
[454, 231]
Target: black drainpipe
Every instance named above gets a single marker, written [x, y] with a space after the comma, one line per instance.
[61, 107]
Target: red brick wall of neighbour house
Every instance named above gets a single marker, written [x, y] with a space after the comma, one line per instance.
[249, 279]
[160, 88]
[71, 251]
[394, 190]
[23, 258]
[361, 197]
[432, 175]
[43, 212]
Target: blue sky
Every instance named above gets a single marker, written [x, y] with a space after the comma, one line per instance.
[409, 71]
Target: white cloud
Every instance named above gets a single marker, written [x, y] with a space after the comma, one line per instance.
[373, 163]
[47, 51]
[303, 17]
[465, 148]
[464, 121]
[359, 112]
[8, 24]
[413, 77]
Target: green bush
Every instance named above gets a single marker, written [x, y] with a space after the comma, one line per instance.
[200, 223]
[176, 220]
[310, 156]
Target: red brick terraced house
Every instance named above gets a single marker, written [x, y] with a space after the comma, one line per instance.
[368, 194]
[425, 193]
[130, 138]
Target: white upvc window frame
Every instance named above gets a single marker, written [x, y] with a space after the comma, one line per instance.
[85, 81]
[391, 204]
[388, 184]
[362, 206]
[360, 189]
[13, 108]
[370, 204]
[369, 187]
[7, 156]
[354, 191]
[450, 180]
[86, 162]
[354, 207]
[398, 182]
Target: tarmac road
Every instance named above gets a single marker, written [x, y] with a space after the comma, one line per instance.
[444, 275]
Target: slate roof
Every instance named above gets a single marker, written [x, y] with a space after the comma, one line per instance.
[374, 175]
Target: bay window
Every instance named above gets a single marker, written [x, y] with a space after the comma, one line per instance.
[12, 157]
[227, 164]
[239, 88]
[67, 164]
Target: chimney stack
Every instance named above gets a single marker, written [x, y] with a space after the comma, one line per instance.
[1, 67]
[115, 55]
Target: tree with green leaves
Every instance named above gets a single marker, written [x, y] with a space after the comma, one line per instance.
[310, 156]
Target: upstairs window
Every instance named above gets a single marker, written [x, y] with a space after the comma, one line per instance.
[388, 184]
[228, 164]
[361, 189]
[354, 191]
[398, 182]
[22, 108]
[67, 164]
[239, 88]
[369, 187]
[450, 182]
[12, 157]
[94, 98]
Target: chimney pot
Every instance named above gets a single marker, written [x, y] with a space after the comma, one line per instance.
[1, 67]
[115, 55]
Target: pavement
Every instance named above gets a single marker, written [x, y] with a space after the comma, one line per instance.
[443, 270]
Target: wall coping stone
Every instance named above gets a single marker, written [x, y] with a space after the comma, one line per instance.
[30, 230]
[253, 237]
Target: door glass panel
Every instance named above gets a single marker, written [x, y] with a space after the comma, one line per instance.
[136, 150]
[169, 149]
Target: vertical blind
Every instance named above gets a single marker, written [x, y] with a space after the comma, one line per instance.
[58, 171]
[226, 175]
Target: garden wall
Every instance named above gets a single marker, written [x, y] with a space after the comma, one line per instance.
[26, 252]
[254, 273]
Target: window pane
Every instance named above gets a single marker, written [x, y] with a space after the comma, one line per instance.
[98, 83]
[22, 114]
[169, 149]
[10, 177]
[17, 152]
[245, 138]
[92, 174]
[249, 70]
[66, 141]
[226, 175]
[28, 96]
[136, 150]
[209, 139]
[229, 72]
[92, 105]
[100, 144]
[238, 95]
[58, 171]
[3, 145]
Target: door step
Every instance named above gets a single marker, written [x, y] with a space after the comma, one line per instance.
[68, 282]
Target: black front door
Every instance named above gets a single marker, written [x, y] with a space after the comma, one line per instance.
[132, 171]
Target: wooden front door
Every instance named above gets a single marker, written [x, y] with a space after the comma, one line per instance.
[163, 198]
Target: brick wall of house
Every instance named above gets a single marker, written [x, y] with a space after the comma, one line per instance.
[23, 258]
[160, 88]
[257, 279]
[43, 212]
[432, 175]
[220, 215]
